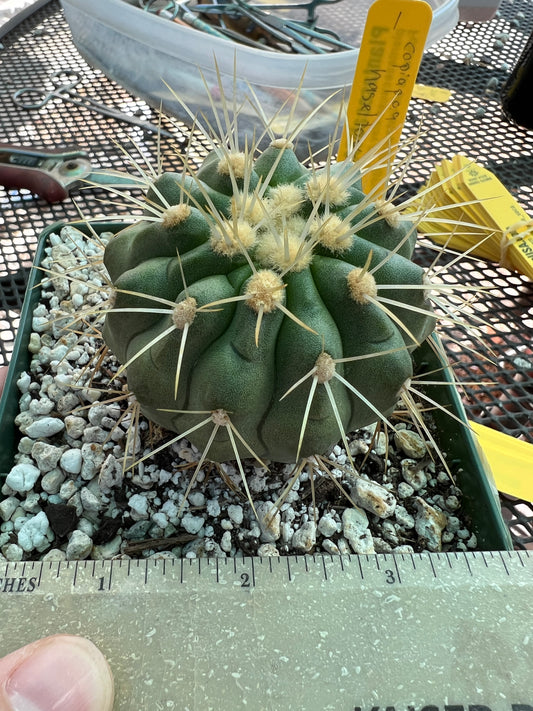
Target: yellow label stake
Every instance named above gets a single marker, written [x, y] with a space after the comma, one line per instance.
[501, 209]
[391, 50]
[470, 209]
[431, 93]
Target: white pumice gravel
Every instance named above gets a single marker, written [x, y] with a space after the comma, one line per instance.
[73, 494]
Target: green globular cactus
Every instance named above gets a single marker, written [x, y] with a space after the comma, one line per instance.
[264, 308]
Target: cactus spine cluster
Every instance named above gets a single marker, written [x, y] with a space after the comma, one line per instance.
[263, 307]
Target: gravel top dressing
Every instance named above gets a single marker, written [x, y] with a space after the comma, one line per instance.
[85, 484]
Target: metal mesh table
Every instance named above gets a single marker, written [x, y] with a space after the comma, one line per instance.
[473, 61]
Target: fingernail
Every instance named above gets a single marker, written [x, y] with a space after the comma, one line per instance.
[61, 673]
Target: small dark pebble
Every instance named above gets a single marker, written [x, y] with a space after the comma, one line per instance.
[107, 530]
[62, 518]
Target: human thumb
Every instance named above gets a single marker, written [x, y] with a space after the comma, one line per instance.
[58, 673]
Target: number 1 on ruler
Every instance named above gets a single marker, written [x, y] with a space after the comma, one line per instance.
[390, 54]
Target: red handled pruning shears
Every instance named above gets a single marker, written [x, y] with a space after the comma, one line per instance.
[52, 174]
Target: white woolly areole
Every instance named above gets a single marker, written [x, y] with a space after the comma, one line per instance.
[327, 189]
[184, 312]
[362, 285]
[284, 200]
[284, 252]
[325, 368]
[233, 164]
[247, 207]
[175, 214]
[264, 291]
[282, 143]
[388, 212]
[220, 417]
[332, 233]
[231, 237]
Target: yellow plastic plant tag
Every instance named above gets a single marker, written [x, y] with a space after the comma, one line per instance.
[467, 208]
[503, 213]
[472, 233]
[510, 460]
[447, 220]
[389, 57]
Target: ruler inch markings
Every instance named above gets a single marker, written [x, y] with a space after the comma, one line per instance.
[395, 560]
[334, 571]
[468, 565]
[504, 564]
[110, 579]
[433, 568]
[412, 561]
[448, 558]
[360, 568]
[295, 630]
[253, 572]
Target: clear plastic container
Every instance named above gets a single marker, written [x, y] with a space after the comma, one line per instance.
[145, 53]
[478, 10]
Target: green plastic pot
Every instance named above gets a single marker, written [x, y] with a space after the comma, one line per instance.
[465, 458]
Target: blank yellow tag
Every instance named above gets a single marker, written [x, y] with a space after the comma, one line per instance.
[510, 460]
[431, 93]
[389, 58]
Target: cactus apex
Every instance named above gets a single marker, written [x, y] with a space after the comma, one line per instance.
[231, 237]
[327, 189]
[332, 233]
